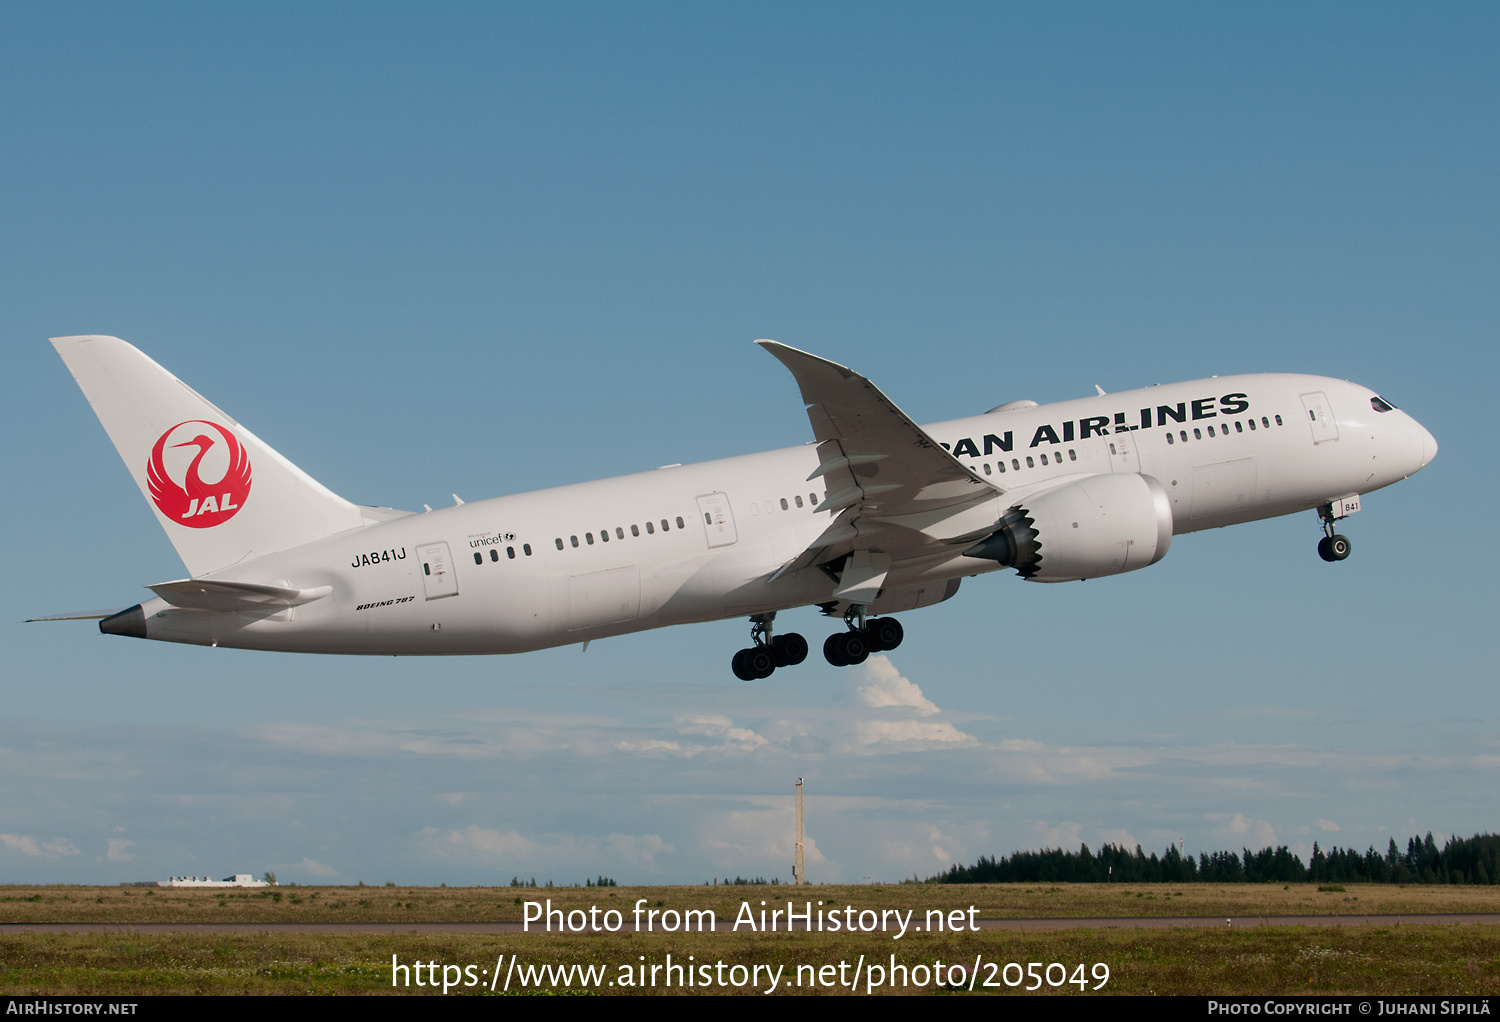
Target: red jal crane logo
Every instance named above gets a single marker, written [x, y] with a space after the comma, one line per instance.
[195, 503]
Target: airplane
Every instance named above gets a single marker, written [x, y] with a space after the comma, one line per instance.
[874, 516]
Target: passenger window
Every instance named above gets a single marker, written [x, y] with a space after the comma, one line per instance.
[1279, 422]
[1265, 422]
[1044, 459]
[527, 547]
[664, 526]
[574, 540]
[1197, 434]
[478, 557]
[1211, 431]
[495, 554]
[589, 536]
[635, 530]
[1001, 466]
[681, 526]
[798, 499]
[510, 552]
[1237, 427]
[559, 542]
[1029, 462]
[619, 532]
[650, 529]
[708, 519]
[1171, 439]
[986, 468]
[1015, 463]
[1184, 435]
[784, 505]
[1252, 423]
[1112, 449]
[1072, 454]
[604, 535]
[814, 498]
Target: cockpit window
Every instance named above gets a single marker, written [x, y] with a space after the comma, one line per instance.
[1381, 405]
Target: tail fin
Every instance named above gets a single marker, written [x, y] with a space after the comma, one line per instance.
[220, 493]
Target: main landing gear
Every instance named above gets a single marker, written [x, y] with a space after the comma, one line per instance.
[767, 652]
[1332, 547]
[844, 649]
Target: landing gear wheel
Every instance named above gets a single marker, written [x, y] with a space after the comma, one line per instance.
[741, 669]
[759, 660]
[848, 648]
[884, 633]
[833, 650]
[788, 650]
[1334, 547]
[753, 664]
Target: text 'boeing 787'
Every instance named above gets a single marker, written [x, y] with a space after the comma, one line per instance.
[876, 516]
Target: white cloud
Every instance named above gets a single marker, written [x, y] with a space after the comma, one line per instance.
[1120, 837]
[715, 725]
[477, 843]
[872, 732]
[637, 849]
[512, 849]
[1061, 835]
[22, 843]
[885, 686]
[117, 850]
[27, 845]
[316, 868]
[652, 745]
[1329, 825]
[453, 798]
[1253, 834]
[735, 837]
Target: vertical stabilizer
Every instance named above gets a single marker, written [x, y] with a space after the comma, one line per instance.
[220, 493]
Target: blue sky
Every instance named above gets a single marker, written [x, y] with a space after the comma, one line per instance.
[485, 249]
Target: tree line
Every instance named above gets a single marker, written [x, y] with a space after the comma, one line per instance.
[1474, 860]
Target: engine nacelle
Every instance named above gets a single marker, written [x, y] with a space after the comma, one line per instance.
[1098, 526]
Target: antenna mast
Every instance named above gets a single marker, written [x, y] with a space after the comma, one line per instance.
[798, 877]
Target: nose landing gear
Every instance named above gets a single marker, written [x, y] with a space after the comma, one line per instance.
[1332, 547]
[767, 652]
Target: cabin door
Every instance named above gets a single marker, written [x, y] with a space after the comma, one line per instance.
[718, 520]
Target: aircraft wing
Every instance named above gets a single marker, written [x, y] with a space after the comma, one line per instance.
[895, 493]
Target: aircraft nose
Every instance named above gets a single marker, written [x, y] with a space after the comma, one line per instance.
[1429, 445]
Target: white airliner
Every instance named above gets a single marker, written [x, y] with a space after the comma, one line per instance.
[875, 516]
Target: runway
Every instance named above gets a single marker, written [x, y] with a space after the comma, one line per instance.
[1074, 923]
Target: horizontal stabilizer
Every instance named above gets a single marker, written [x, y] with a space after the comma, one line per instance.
[217, 594]
[78, 615]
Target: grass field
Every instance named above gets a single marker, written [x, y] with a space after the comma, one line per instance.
[1275, 960]
[1391, 960]
[499, 904]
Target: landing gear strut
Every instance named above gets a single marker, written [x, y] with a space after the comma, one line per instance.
[1332, 547]
[767, 652]
[844, 649]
